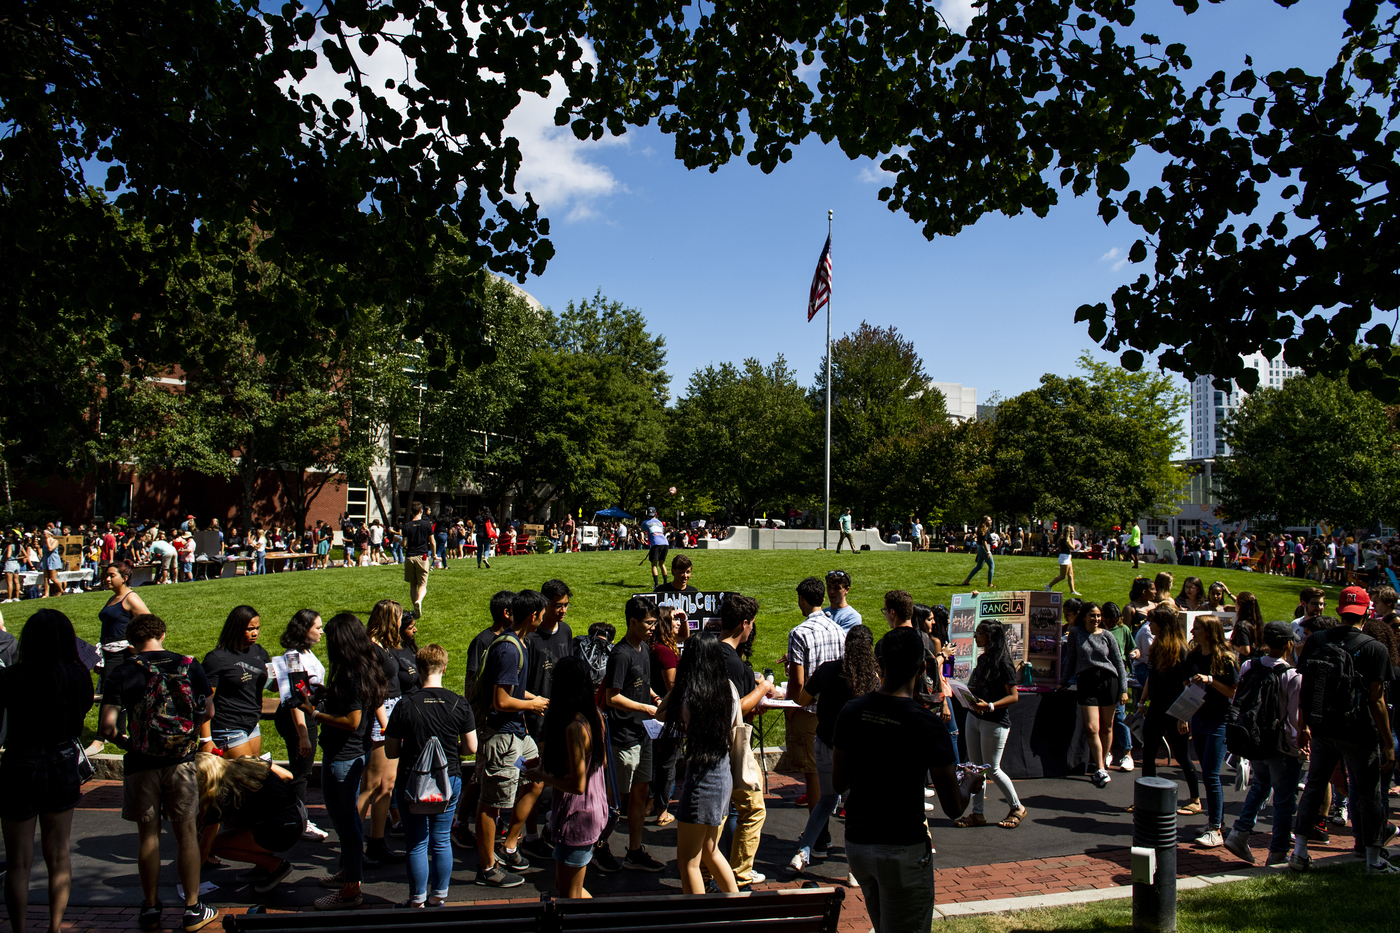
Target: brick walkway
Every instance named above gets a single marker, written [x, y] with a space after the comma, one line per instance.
[1102, 868]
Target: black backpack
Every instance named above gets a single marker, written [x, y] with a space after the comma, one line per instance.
[1255, 727]
[1332, 687]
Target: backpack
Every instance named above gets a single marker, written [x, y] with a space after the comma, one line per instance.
[428, 786]
[1255, 725]
[1332, 688]
[162, 721]
[593, 652]
[481, 698]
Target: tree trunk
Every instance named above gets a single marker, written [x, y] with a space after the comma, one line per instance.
[248, 472]
[391, 516]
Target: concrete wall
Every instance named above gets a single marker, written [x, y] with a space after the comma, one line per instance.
[742, 538]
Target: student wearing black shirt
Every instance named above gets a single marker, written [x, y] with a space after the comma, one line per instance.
[432, 711]
[737, 631]
[631, 702]
[476, 651]
[237, 672]
[44, 697]
[887, 746]
[159, 771]
[250, 811]
[833, 685]
[504, 741]
[548, 644]
[354, 695]
[1365, 742]
[418, 542]
[1212, 664]
[988, 724]
[1166, 679]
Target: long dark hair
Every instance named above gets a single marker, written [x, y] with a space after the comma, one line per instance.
[294, 637]
[859, 667]
[355, 665]
[705, 689]
[570, 696]
[939, 628]
[1249, 620]
[993, 662]
[236, 627]
[48, 645]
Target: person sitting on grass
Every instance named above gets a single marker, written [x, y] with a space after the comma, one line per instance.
[249, 811]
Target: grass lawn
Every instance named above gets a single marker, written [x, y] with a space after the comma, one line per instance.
[1338, 898]
[456, 606]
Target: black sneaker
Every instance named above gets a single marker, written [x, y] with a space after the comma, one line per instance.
[512, 860]
[463, 837]
[640, 860]
[273, 878]
[395, 829]
[498, 877]
[538, 847]
[605, 860]
[1319, 833]
[823, 844]
[199, 916]
[150, 916]
[256, 873]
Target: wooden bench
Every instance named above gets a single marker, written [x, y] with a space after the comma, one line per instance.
[792, 910]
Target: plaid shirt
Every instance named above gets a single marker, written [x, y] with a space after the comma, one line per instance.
[813, 642]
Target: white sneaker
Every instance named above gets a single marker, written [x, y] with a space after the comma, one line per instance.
[800, 861]
[929, 792]
[1047, 588]
[314, 832]
[1126, 763]
[757, 877]
[1210, 839]
[851, 880]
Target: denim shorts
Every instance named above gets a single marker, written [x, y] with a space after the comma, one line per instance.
[39, 780]
[232, 738]
[573, 856]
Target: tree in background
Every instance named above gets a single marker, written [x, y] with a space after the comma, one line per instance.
[746, 437]
[1311, 451]
[938, 472]
[1095, 450]
[880, 391]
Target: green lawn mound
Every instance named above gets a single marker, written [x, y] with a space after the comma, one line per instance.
[1338, 900]
[458, 597]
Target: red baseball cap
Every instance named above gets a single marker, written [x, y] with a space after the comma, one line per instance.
[1354, 601]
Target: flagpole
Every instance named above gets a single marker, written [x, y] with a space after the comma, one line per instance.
[826, 525]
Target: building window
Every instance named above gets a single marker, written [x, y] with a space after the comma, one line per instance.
[357, 502]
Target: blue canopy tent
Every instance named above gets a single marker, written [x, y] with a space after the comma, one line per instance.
[611, 513]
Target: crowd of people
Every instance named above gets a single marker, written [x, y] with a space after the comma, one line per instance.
[649, 722]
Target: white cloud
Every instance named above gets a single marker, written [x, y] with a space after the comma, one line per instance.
[872, 174]
[1117, 257]
[556, 168]
[958, 13]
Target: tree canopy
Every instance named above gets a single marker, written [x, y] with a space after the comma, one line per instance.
[194, 109]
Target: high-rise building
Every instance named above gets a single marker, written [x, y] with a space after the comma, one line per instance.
[1211, 406]
[961, 400]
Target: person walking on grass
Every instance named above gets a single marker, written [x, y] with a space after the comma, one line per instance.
[418, 541]
[44, 698]
[993, 686]
[1095, 663]
[1064, 548]
[984, 552]
[845, 524]
[659, 546]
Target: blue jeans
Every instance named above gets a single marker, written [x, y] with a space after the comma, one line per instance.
[442, 549]
[826, 803]
[1210, 749]
[1277, 775]
[340, 785]
[984, 557]
[952, 725]
[428, 837]
[398, 553]
[1122, 735]
[260, 562]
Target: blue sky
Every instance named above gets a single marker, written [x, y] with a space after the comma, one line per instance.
[720, 263]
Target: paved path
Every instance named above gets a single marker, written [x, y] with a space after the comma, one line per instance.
[1075, 838]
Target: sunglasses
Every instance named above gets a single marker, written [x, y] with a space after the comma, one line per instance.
[838, 576]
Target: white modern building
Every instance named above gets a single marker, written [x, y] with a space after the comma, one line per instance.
[961, 399]
[1210, 406]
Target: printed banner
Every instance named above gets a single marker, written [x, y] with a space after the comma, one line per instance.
[699, 608]
[1032, 621]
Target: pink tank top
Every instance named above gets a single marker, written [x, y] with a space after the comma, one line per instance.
[579, 818]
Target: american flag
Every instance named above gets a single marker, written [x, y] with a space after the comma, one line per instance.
[821, 283]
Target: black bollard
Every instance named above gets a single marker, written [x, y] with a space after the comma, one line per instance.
[1154, 855]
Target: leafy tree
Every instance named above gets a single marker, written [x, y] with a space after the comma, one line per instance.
[880, 391]
[184, 102]
[1095, 451]
[1313, 450]
[746, 437]
[939, 471]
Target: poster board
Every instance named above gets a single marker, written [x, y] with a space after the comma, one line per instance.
[1227, 619]
[1033, 629]
[71, 547]
[699, 609]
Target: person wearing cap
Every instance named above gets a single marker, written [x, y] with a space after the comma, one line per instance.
[1278, 773]
[660, 545]
[1363, 741]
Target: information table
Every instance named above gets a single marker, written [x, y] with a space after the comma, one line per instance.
[766, 706]
[1044, 734]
